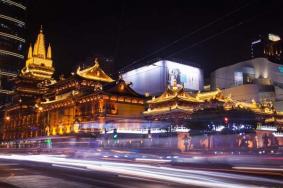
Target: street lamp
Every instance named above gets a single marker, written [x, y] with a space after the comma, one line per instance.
[8, 118]
[40, 108]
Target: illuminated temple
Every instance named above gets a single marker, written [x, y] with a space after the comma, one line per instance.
[90, 102]
[83, 102]
[176, 105]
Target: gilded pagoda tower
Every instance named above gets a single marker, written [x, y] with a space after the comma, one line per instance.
[38, 70]
[39, 63]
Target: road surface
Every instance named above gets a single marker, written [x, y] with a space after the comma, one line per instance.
[36, 171]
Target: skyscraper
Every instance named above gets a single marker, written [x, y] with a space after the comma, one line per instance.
[12, 43]
[268, 46]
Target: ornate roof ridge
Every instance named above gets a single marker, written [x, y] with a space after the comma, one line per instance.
[94, 73]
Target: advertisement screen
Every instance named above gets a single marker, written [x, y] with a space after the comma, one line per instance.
[147, 79]
[154, 78]
[187, 76]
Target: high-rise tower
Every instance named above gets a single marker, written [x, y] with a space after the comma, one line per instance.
[12, 43]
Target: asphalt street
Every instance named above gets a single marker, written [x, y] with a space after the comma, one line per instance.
[19, 174]
[30, 171]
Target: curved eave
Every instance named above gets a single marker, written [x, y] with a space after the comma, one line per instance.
[208, 95]
[190, 99]
[86, 73]
[160, 100]
[186, 98]
[108, 80]
[53, 101]
[169, 110]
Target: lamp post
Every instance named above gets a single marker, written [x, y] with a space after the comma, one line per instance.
[18, 129]
[7, 126]
[41, 123]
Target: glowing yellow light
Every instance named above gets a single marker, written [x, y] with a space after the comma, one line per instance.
[76, 127]
[122, 87]
[8, 118]
[269, 120]
[60, 129]
[54, 131]
[68, 129]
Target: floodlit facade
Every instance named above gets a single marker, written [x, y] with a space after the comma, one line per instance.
[215, 112]
[257, 79]
[178, 105]
[153, 79]
[84, 103]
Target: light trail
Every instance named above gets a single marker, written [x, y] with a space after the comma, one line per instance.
[180, 176]
[153, 160]
[258, 168]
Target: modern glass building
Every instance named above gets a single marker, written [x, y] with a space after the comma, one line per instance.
[12, 43]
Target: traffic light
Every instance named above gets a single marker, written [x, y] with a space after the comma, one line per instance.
[48, 143]
[115, 134]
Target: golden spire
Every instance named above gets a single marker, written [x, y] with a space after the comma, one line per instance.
[96, 62]
[37, 65]
[39, 46]
[30, 52]
[49, 54]
[35, 48]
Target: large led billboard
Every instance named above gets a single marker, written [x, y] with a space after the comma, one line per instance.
[154, 78]
[187, 76]
[147, 79]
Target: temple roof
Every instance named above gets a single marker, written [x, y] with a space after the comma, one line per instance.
[94, 73]
[169, 100]
[206, 96]
[121, 88]
[174, 93]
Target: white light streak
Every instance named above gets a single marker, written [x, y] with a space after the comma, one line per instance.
[180, 176]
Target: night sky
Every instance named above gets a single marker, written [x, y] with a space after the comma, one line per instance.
[130, 30]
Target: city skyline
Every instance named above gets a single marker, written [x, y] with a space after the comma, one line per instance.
[141, 94]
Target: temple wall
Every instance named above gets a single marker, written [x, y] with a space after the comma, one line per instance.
[133, 110]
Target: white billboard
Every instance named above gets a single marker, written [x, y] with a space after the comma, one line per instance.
[154, 78]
